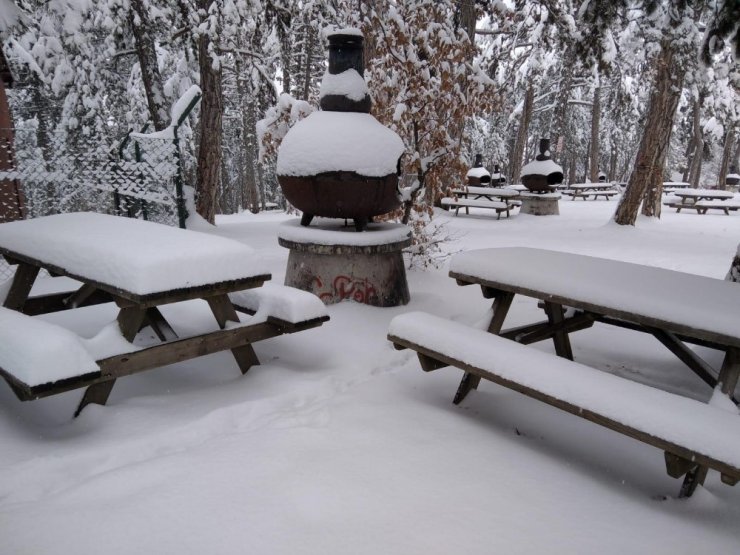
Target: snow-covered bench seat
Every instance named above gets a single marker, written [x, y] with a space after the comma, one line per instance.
[725, 205]
[693, 435]
[38, 358]
[286, 306]
[498, 206]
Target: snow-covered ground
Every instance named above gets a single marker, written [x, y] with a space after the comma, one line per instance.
[338, 444]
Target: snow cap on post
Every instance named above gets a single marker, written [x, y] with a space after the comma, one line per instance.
[343, 87]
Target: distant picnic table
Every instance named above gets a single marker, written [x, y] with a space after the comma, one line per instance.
[703, 200]
[576, 291]
[590, 190]
[500, 199]
[141, 267]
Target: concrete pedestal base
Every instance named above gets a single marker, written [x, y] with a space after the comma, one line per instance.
[540, 205]
[336, 263]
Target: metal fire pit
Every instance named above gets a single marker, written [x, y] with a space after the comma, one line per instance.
[341, 195]
[342, 192]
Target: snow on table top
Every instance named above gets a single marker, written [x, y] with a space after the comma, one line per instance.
[667, 296]
[339, 141]
[528, 195]
[493, 191]
[474, 203]
[594, 186]
[698, 426]
[541, 167]
[37, 352]
[704, 193]
[333, 233]
[133, 255]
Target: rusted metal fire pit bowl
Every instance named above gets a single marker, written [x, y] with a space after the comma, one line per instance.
[342, 195]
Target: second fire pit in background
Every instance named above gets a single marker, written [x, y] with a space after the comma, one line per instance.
[541, 176]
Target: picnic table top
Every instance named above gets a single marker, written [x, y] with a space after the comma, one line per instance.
[502, 192]
[590, 186]
[132, 256]
[704, 193]
[696, 306]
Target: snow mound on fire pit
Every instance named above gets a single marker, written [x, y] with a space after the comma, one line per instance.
[339, 141]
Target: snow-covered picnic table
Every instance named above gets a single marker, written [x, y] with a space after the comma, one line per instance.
[593, 190]
[140, 266]
[703, 200]
[576, 291]
[500, 199]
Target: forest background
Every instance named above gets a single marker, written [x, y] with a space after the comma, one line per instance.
[641, 90]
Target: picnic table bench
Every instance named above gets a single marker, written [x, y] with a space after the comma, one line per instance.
[140, 266]
[694, 436]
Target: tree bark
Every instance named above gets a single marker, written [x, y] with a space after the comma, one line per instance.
[651, 155]
[726, 163]
[560, 113]
[595, 146]
[211, 114]
[147, 55]
[734, 273]
[697, 144]
[515, 163]
[466, 18]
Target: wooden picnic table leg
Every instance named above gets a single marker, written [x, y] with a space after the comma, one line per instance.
[130, 319]
[727, 381]
[501, 304]
[158, 323]
[556, 315]
[97, 393]
[23, 279]
[224, 312]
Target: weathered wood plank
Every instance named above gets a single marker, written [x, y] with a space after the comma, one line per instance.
[56, 302]
[97, 393]
[23, 280]
[556, 316]
[185, 349]
[130, 320]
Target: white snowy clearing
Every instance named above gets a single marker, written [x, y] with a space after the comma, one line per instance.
[339, 444]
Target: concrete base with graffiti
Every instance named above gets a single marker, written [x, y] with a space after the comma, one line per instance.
[369, 274]
[540, 205]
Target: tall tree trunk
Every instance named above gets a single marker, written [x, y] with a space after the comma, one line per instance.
[308, 55]
[211, 114]
[726, 163]
[651, 155]
[147, 55]
[595, 147]
[515, 163]
[466, 18]
[697, 144]
[560, 113]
